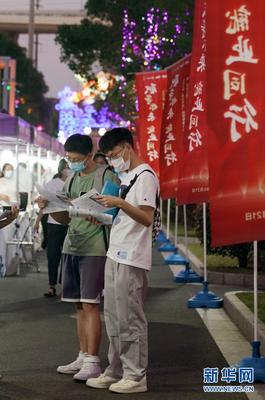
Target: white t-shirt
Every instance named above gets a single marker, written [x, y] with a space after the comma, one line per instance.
[131, 242]
[8, 187]
[55, 185]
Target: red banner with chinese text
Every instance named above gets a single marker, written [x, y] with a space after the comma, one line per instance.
[193, 179]
[236, 118]
[136, 137]
[173, 126]
[151, 92]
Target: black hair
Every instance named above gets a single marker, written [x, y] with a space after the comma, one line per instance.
[78, 143]
[62, 165]
[98, 155]
[6, 165]
[115, 137]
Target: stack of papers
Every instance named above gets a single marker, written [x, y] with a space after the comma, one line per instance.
[83, 206]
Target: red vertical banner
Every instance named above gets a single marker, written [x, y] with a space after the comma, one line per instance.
[151, 92]
[236, 117]
[193, 180]
[136, 137]
[173, 126]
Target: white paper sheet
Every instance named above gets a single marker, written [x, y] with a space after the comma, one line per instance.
[84, 205]
[55, 204]
[105, 219]
[88, 202]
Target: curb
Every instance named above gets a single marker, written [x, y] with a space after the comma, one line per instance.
[222, 278]
[243, 318]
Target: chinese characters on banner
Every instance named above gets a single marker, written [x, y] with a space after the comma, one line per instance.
[236, 118]
[193, 177]
[151, 92]
[173, 126]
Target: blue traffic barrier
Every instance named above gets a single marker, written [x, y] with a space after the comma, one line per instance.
[187, 275]
[205, 299]
[176, 259]
[167, 247]
[161, 237]
[256, 362]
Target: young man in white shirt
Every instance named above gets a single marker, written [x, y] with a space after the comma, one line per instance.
[128, 261]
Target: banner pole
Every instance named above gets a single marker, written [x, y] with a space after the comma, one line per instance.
[161, 213]
[255, 361]
[168, 217]
[255, 245]
[176, 224]
[204, 243]
[185, 229]
[205, 298]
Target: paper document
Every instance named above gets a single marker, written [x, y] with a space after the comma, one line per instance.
[88, 202]
[55, 204]
[82, 206]
[106, 219]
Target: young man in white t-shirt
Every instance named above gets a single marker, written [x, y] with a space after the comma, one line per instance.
[128, 260]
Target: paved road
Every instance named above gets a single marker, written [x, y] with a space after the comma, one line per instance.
[37, 334]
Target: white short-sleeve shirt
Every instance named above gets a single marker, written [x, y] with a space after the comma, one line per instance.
[131, 242]
[54, 185]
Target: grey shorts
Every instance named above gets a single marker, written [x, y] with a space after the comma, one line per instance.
[82, 278]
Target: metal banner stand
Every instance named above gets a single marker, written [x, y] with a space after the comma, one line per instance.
[161, 237]
[186, 275]
[256, 361]
[205, 298]
[167, 246]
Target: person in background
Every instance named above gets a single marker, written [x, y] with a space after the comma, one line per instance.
[84, 256]
[8, 171]
[56, 232]
[100, 159]
[8, 192]
[129, 258]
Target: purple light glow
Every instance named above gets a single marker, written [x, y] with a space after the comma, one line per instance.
[144, 44]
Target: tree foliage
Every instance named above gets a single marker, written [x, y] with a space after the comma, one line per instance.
[100, 37]
[30, 86]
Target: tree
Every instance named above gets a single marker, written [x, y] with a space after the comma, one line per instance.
[127, 36]
[30, 86]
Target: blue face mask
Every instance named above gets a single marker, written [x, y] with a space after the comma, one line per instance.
[77, 166]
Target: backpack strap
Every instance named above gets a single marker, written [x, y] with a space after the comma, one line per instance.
[99, 177]
[132, 182]
[69, 182]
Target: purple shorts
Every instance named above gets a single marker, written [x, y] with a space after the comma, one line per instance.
[82, 278]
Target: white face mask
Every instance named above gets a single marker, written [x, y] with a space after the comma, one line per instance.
[8, 174]
[120, 165]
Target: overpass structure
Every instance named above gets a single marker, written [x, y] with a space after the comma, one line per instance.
[45, 21]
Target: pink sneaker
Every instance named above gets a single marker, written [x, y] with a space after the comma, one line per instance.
[88, 370]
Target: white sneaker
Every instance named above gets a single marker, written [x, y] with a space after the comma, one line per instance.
[128, 386]
[73, 367]
[101, 382]
[88, 370]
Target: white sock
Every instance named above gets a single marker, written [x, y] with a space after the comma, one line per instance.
[92, 359]
[81, 354]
